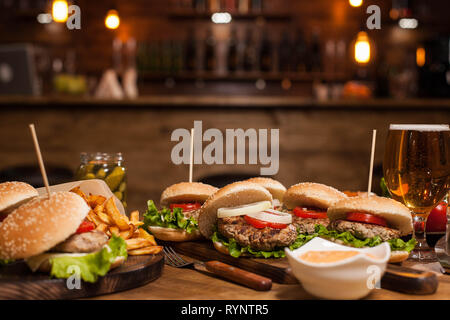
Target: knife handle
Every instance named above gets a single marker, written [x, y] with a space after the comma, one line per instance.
[408, 280]
[240, 276]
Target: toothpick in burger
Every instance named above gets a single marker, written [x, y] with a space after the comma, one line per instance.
[240, 221]
[178, 218]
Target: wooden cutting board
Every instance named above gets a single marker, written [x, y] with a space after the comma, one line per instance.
[18, 282]
[396, 278]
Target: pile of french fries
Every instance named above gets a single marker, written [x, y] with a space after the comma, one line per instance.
[107, 218]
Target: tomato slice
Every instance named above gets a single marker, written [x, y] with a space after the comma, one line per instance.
[186, 206]
[309, 213]
[85, 226]
[259, 224]
[366, 218]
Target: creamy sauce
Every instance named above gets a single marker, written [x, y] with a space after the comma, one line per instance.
[330, 256]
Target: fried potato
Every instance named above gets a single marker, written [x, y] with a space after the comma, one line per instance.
[128, 233]
[102, 227]
[95, 200]
[95, 219]
[145, 250]
[105, 218]
[144, 234]
[119, 219]
[134, 216]
[137, 243]
[78, 191]
[114, 230]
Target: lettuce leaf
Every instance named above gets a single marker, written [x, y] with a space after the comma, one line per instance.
[91, 265]
[348, 239]
[236, 250]
[168, 218]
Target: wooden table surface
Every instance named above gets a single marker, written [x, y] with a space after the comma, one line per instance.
[176, 284]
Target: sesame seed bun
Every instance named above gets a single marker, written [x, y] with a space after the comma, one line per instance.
[186, 192]
[232, 195]
[177, 235]
[275, 187]
[40, 224]
[311, 195]
[396, 214]
[14, 193]
[398, 256]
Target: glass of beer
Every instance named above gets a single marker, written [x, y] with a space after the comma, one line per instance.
[417, 173]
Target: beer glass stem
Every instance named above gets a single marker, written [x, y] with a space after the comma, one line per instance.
[422, 252]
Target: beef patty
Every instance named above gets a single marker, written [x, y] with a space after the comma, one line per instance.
[192, 214]
[307, 225]
[83, 242]
[265, 239]
[364, 230]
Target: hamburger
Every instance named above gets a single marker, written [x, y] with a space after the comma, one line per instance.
[308, 203]
[13, 194]
[369, 221]
[178, 216]
[276, 189]
[51, 234]
[240, 220]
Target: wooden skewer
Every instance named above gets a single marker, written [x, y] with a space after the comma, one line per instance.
[372, 156]
[191, 155]
[39, 157]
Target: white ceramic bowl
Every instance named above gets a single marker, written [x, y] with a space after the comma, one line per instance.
[351, 278]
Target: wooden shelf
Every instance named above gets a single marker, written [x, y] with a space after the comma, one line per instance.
[243, 76]
[192, 14]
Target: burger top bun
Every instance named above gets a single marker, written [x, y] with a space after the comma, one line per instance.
[40, 224]
[396, 214]
[186, 192]
[232, 195]
[311, 195]
[13, 194]
[275, 188]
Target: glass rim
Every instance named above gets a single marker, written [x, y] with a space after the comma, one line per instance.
[420, 127]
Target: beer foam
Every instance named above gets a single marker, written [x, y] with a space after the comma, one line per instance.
[420, 127]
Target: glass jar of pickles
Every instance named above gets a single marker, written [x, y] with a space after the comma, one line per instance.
[108, 167]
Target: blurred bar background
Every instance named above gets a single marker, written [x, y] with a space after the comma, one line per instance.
[137, 70]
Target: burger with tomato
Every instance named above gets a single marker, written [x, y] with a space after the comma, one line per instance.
[308, 203]
[367, 221]
[51, 234]
[13, 194]
[276, 189]
[240, 221]
[178, 216]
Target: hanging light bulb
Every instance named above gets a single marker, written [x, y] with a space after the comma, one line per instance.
[112, 20]
[362, 48]
[355, 3]
[420, 56]
[60, 10]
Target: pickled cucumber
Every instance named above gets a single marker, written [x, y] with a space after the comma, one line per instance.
[101, 174]
[114, 179]
[89, 176]
[119, 195]
[123, 186]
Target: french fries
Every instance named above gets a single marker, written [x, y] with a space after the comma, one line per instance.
[107, 218]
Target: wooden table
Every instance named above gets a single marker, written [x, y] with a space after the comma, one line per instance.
[176, 284]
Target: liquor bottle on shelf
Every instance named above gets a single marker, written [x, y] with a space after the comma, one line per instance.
[210, 54]
[214, 5]
[232, 57]
[243, 6]
[265, 53]
[190, 52]
[316, 53]
[199, 5]
[284, 53]
[177, 56]
[300, 51]
[249, 54]
[257, 6]
[229, 5]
